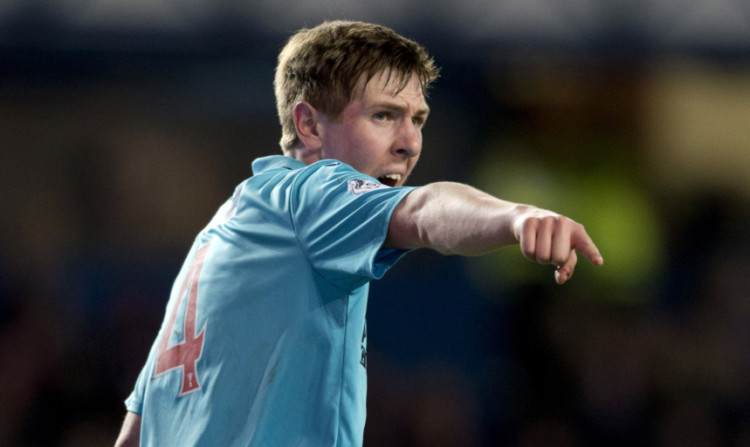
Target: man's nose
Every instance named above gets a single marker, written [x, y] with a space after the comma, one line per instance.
[409, 141]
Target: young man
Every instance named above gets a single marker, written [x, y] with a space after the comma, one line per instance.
[264, 334]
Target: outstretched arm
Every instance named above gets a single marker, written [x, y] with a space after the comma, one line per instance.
[453, 218]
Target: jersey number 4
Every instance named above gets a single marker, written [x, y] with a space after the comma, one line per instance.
[186, 353]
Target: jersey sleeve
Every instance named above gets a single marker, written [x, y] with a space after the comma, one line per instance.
[341, 219]
[134, 402]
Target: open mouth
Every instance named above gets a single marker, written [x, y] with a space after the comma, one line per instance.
[390, 179]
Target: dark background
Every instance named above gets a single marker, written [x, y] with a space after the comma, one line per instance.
[124, 125]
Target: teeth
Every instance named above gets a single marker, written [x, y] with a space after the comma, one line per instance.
[395, 177]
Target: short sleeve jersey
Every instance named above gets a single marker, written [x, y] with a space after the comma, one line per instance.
[264, 337]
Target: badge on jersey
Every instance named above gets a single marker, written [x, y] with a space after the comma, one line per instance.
[359, 186]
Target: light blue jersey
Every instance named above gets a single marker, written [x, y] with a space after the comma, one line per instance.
[264, 338]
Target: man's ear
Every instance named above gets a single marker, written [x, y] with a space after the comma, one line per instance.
[306, 121]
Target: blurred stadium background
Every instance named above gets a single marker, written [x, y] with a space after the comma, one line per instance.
[124, 123]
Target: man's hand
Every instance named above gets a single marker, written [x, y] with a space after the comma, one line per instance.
[452, 218]
[549, 238]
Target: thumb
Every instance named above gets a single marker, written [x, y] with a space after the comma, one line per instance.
[565, 271]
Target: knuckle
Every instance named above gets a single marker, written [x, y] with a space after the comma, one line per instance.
[529, 224]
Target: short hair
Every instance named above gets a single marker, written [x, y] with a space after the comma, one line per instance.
[322, 66]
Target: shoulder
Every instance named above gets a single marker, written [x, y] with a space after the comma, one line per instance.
[287, 166]
[273, 163]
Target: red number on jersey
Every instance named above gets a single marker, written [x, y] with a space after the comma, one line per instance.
[187, 352]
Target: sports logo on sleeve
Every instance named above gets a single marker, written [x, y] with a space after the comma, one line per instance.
[359, 186]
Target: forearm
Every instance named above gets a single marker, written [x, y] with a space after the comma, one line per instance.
[130, 433]
[453, 218]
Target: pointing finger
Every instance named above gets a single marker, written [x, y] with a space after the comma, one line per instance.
[583, 243]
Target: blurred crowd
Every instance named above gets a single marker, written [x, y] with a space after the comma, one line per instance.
[110, 163]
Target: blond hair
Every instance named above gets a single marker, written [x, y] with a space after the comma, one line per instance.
[322, 66]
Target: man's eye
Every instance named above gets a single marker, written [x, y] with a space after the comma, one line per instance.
[382, 116]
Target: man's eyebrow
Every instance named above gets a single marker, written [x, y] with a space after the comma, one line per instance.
[400, 108]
